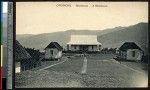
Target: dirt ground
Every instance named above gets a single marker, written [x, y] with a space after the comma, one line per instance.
[101, 71]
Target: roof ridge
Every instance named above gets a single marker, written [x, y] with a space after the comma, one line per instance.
[20, 52]
[129, 45]
[55, 45]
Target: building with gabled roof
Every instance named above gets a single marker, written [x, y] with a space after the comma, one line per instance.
[26, 58]
[21, 56]
[84, 43]
[130, 51]
[53, 51]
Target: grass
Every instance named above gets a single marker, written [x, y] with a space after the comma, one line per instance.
[101, 72]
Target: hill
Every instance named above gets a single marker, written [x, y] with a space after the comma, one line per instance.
[112, 37]
[40, 41]
[137, 33]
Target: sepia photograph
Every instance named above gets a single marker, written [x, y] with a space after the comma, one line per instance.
[81, 45]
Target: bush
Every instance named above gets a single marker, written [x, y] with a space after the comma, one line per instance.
[145, 59]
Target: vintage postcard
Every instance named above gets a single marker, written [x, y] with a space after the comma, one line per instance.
[81, 45]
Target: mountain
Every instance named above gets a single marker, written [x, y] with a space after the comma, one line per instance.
[40, 41]
[22, 36]
[137, 33]
[112, 37]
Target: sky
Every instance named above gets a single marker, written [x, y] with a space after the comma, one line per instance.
[48, 17]
[4, 5]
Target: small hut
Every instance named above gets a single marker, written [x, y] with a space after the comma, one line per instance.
[21, 56]
[130, 51]
[53, 51]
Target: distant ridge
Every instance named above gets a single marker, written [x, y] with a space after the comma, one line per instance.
[113, 37]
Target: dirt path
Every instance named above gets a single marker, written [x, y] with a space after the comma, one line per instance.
[53, 65]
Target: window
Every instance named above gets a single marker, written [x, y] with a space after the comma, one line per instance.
[133, 53]
[51, 52]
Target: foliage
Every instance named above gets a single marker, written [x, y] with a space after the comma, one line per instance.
[34, 53]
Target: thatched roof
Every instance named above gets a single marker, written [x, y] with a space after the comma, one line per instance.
[20, 52]
[129, 45]
[54, 45]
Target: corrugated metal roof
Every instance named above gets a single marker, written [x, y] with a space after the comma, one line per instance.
[84, 40]
[20, 52]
